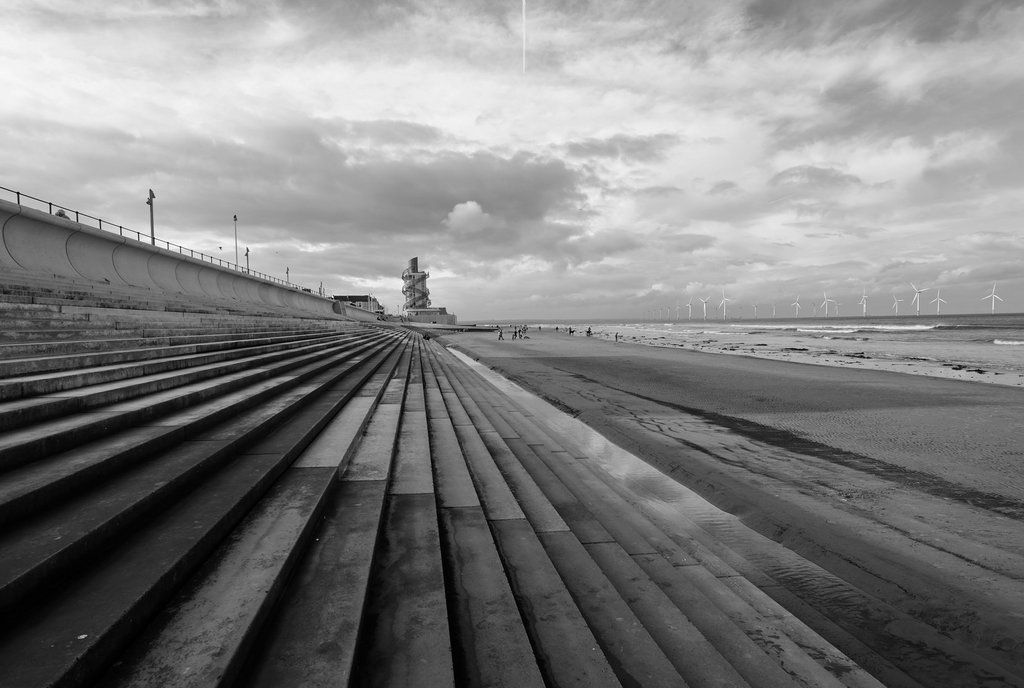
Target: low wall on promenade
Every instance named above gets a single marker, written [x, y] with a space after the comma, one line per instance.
[36, 243]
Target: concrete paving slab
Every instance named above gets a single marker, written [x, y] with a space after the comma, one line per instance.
[614, 514]
[27, 444]
[408, 641]
[334, 442]
[39, 484]
[748, 658]
[312, 641]
[541, 514]
[633, 655]
[487, 629]
[39, 549]
[204, 634]
[819, 643]
[372, 458]
[412, 471]
[71, 634]
[574, 514]
[694, 657]
[455, 410]
[453, 483]
[497, 498]
[567, 651]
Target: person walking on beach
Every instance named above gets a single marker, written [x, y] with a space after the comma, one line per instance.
[616, 336]
[501, 335]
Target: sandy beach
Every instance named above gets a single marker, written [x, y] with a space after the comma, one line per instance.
[835, 350]
[908, 488]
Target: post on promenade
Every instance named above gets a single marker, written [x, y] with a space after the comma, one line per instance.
[236, 239]
[152, 230]
[247, 260]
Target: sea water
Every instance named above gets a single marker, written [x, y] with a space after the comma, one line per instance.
[972, 343]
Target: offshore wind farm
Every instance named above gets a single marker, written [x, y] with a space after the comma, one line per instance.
[977, 347]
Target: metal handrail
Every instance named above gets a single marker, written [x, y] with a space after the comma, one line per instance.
[60, 210]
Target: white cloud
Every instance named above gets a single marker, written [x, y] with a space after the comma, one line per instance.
[469, 218]
[760, 146]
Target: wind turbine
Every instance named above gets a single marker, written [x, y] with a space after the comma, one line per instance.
[864, 301]
[773, 310]
[826, 302]
[896, 304]
[725, 300]
[797, 305]
[705, 302]
[677, 311]
[689, 308]
[755, 311]
[938, 300]
[992, 296]
[917, 296]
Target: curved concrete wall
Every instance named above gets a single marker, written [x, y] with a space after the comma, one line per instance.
[34, 242]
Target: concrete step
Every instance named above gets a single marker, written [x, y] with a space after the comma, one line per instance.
[35, 364]
[51, 436]
[314, 636]
[59, 473]
[64, 383]
[601, 616]
[130, 489]
[12, 337]
[608, 516]
[111, 316]
[488, 632]
[207, 639]
[180, 337]
[75, 633]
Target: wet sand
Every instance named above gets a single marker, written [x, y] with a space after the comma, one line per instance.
[836, 351]
[910, 489]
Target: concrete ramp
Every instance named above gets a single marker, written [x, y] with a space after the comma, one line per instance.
[35, 243]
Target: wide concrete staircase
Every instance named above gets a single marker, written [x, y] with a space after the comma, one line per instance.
[252, 500]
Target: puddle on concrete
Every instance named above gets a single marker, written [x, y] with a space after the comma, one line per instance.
[654, 493]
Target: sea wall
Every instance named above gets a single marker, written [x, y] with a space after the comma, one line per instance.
[36, 243]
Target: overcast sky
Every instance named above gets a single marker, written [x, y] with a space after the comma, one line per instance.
[650, 153]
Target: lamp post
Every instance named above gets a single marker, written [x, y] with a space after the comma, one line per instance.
[247, 260]
[236, 239]
[287, 276]
[152, 231]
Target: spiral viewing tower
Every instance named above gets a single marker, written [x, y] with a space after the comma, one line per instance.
[414, 286]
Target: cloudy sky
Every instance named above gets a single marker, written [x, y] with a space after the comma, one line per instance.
[649, 153]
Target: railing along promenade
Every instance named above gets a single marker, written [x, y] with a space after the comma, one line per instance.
[108, 226]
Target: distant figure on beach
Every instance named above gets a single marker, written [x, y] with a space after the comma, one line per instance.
[616, 336]
[501, 335]
[556, 328]
[589, 332]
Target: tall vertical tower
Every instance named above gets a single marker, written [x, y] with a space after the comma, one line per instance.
[414, 286]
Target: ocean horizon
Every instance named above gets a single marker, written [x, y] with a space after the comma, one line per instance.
[966, 346]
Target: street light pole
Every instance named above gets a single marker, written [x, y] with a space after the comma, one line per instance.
[236, 239]
[247, 259]
[152, 231]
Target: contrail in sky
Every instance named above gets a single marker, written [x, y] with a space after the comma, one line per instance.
[524, 36]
